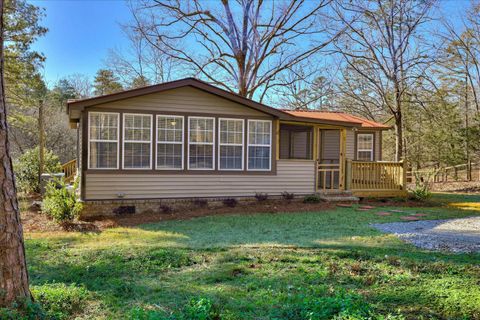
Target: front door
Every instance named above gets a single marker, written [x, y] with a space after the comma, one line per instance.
[328, 160]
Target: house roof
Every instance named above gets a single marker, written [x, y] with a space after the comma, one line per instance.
[75, 106]
[338, 116]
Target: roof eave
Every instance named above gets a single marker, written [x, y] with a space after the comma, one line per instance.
[81, 104]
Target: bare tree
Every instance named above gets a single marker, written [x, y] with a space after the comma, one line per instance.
[383, 46]
[13, 269]
[306, 91]
[242, 46]
[139, 63]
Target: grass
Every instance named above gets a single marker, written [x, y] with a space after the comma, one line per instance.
[310, 265]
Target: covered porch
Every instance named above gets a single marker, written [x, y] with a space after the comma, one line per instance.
[346, 159]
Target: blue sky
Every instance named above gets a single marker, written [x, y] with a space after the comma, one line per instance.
[82, 31]
[80, 35]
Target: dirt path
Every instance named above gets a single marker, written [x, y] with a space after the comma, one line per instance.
[456, 235]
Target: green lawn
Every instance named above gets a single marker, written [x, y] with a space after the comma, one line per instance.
[310, 265]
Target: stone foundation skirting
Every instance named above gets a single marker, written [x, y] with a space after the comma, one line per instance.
[109, 208]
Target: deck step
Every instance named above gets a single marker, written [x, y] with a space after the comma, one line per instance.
[340, 199]
[339, 196]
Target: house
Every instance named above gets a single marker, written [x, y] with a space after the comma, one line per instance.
[189, 139]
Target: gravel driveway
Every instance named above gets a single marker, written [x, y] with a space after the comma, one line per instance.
[456, 235]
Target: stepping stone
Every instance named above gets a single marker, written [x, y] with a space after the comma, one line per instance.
[366, 207]
[362, 209]
[397, 211]
[344, 205]
[383, 214]
[419, 215]
[409, 218]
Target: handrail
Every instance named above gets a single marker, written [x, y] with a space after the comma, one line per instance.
[365, 175]
[70, 170]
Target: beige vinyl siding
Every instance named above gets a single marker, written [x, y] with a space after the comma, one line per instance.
[378, 146]
[296, 176]
[351, 144]
[185, 99]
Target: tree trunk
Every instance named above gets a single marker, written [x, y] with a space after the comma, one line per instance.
[41, 142]
[13, 269]
[398, 136]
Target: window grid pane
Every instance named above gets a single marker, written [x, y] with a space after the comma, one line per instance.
[103, 136]
[103, 155]
[137, 133]
[170, 142]
[137, 128]
[365, 147]
[201, 143]
[259, 144]
[231, 144]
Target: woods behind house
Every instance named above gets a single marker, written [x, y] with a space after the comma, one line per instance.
[400, 62]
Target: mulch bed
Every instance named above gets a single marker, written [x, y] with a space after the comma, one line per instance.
[34, 221]
[267, 206]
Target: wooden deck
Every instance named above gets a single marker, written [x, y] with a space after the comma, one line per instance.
[376, 179]
[70, 170]
[363, 179]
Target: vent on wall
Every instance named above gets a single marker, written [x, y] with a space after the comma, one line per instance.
[124, 210]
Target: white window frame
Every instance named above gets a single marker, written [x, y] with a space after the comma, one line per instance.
[169, 142]
[220, 144]
[137, 141]
[102, 140]
[259, 145]
[201, 143]
[372, 150]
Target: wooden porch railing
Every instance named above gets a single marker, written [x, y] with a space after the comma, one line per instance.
[375, 178]
[70, 170]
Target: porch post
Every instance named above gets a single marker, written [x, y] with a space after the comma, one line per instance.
[315, 154]
[348, 175]
[343, 148]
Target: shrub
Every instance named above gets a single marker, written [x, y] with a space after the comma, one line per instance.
[201, 203]
[261, 196]
[27, 169]
[312, 198]
[60, 301]
[423, 183]
[23, 310]
[60, 202]
[287, 196]
[230, 202]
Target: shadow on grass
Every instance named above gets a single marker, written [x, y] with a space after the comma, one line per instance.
[256, 264]
[253, 281]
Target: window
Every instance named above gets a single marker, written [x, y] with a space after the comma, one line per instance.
[170, 142]
[201, 143]
[259, 144]
[365, 146]
[103, 140]
[137, 141]
[230, 144]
